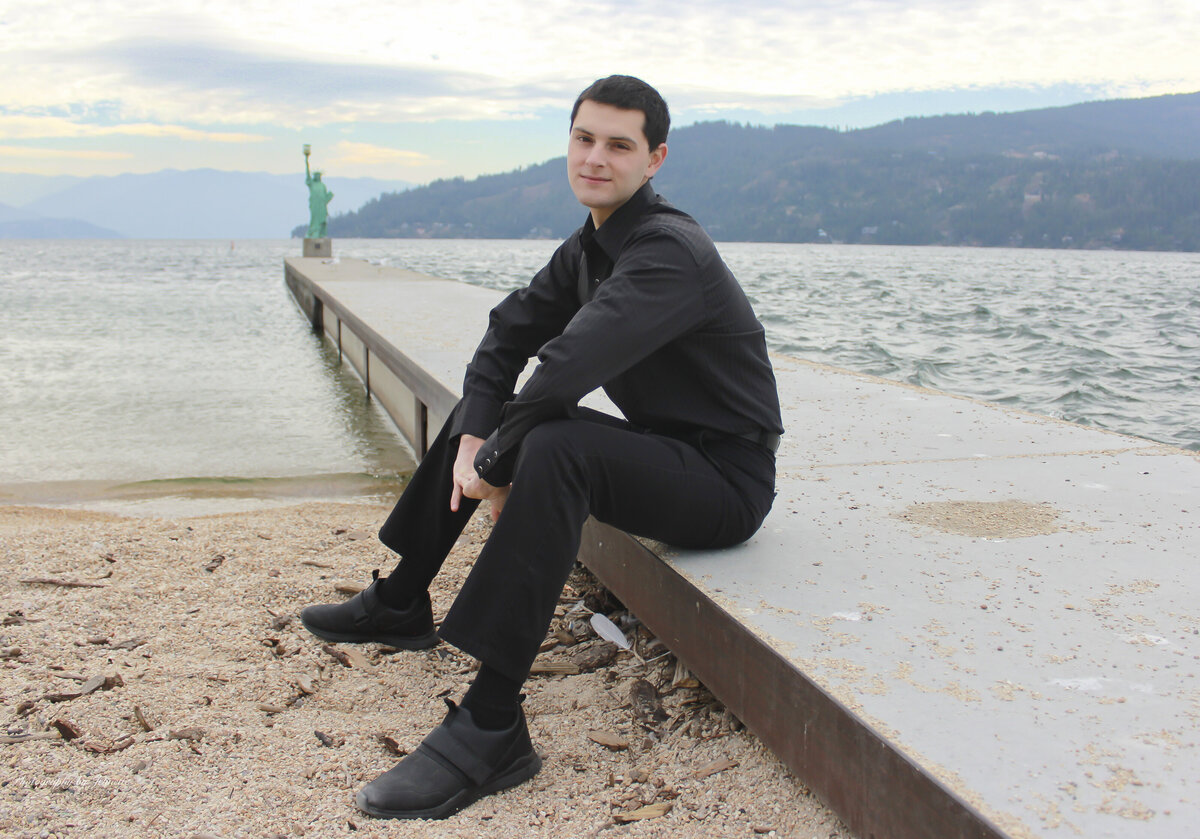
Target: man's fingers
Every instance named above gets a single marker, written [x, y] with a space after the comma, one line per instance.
[497, 502]
[455, 497]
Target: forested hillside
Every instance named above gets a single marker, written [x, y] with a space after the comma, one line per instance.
[1122, 174]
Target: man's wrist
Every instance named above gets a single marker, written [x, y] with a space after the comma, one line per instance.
[486, 458]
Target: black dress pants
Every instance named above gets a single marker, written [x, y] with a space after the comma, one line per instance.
[714, 493]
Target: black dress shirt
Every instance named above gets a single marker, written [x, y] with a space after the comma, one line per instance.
[643, 307]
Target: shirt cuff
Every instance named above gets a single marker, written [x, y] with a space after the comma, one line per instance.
[475, 416]
[487, 462]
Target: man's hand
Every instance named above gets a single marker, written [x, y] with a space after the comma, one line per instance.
[468, 484]
[498, 498]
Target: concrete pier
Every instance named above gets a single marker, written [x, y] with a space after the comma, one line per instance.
[959, 620]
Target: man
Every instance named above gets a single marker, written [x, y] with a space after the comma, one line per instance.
[637, 301]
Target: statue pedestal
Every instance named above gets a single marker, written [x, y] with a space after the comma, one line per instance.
[318, 247]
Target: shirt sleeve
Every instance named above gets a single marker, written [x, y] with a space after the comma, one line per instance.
[517, 328]
[653, 295]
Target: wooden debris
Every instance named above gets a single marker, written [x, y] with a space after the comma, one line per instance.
[131, 644]
[762, 829]
[348, 658]
[67, 729]
[645, 702]
[305, 684]
[190, 734]
[268, 708]
[214, 563]
[609, 740]
[565, 638]
[54, 581]
[91, 685]
[142, 719]
[315, 564]
[554, 668]
[111, 748]
[593, 655]
[349, 588]
[650, 811]
[358, 535]
[718, 765]
[11, 652]
[683, 677]
[33, 735]
[391, 744]
[328, 741]
[340, 655]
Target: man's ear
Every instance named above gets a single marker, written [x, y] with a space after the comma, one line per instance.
[656, 160]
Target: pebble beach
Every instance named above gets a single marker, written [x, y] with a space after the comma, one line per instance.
[157, 682]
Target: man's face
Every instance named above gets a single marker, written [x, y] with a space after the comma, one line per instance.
[608, 157]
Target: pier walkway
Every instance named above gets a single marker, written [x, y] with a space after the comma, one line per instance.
[959, 620]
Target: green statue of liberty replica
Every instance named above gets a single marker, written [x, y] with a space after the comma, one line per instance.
[319, 197]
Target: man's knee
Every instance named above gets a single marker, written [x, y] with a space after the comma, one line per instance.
[552, 447]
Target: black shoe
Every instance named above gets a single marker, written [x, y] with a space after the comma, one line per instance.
[364, 617]
[458, 763]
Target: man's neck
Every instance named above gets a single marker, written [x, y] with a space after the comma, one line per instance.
[603, 214]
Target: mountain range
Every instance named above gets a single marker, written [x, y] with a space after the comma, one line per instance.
[1118, 173]
[171, 204]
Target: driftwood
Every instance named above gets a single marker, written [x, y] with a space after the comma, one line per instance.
[650, 811]
[54, 581]
[33, 735]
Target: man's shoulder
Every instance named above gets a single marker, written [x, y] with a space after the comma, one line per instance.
[663, 217]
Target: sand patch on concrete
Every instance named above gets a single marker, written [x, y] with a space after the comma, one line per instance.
[986, 519]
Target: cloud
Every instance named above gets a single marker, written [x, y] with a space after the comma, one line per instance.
[347, 153]
[229, 72]
[31, 153]
[36, 127]
[245, 83]
[465, 59]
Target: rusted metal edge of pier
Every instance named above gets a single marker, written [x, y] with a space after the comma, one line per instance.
[877, 790]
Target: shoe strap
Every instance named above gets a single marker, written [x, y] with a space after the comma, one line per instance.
[443, 743]
[358, 605]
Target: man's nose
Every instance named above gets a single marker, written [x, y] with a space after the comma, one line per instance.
[596, 156]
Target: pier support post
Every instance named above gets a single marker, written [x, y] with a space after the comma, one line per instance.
[318, 247]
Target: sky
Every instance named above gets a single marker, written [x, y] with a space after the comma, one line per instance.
[420, 91]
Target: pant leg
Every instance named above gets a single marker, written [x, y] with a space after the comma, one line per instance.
[646, 484]
[421, 527]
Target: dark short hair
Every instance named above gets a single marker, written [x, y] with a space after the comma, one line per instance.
[631, 94]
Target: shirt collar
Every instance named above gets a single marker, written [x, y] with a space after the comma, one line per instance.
[616, 229]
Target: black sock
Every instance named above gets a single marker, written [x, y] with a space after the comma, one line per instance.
[493, 699]
[394, 596]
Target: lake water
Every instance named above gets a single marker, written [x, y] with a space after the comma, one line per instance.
[137, 373]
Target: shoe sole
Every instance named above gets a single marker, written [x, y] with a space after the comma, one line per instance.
[401, 642]
[522, 770]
